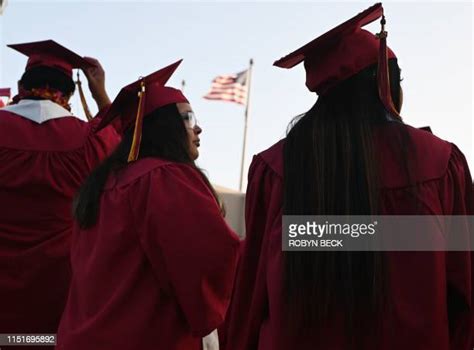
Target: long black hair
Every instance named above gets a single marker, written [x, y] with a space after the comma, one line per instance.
[163, 135]
[330, 168]
[41, 77]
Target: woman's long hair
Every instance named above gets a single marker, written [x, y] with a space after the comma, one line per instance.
[164, 136]
[330, 168]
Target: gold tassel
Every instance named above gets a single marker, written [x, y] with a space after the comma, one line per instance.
[137, 133]
[87, 112]
[383, 76]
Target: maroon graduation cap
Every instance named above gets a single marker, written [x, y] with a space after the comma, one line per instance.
[344, 51]
[5, 92]
[49, 53]
[139, 99]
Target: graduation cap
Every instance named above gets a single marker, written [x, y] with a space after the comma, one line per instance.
[139, 99]
[49, 53]
[344, 51]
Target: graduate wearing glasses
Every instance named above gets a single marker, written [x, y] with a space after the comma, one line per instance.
[153, 259]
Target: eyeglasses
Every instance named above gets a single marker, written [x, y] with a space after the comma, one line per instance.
[189, 119]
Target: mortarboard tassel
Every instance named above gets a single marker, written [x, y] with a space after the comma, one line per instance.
[383, 76]
[83, 98]
[137, 133]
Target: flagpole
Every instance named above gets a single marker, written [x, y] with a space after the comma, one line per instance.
[183, 84]
[249, 76]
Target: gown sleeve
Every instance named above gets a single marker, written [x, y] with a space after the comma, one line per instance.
[99, 144]
[192, 250]
[457, 196]
[249, 305]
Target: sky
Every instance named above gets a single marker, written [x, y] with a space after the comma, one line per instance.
[432, 40]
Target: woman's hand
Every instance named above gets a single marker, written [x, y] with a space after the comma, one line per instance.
[96, 79]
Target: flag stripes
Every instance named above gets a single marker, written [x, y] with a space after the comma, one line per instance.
[231, 88]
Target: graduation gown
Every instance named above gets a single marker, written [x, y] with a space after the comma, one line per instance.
[430, 293]
[45, 154]
[156, 270]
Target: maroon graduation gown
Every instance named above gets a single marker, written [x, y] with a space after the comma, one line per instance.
[419, 280]
[42, 167]
[156, 270]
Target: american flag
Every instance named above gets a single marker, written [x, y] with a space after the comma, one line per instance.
[232, 88]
